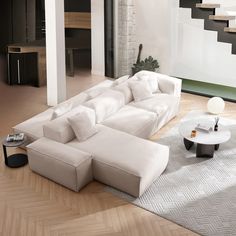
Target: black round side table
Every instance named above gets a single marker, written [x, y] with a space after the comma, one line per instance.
[15, 160]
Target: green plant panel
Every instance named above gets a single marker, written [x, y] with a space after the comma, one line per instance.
[207, 89]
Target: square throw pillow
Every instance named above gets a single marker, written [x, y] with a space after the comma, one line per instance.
[61, 110]
[152, 82]
[60, 130]
[83, 125]
[141, 90]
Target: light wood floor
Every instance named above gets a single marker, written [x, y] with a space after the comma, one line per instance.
[32, 205]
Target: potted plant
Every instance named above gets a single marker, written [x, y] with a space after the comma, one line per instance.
[148, 63]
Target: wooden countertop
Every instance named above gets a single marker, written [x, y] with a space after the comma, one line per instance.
[71, 43]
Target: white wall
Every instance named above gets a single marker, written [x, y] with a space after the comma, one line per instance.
[181, 45]
[55, 52]
[153, 30]
[97, 25]
[197, 55]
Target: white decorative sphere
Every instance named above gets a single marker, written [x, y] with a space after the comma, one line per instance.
[216, 105]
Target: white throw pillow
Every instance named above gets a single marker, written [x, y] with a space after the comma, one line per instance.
[121, 80]
[152, 82]
[141, 90]
[125, 89]
[83, 125]
[106, 104]
[61, 110]
[60, 130]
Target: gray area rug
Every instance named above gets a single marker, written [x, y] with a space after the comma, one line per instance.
[196, 193]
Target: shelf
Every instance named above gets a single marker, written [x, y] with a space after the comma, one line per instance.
[77, 20]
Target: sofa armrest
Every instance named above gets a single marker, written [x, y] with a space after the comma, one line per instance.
[61, 163]
[167, 84]
[170, 85]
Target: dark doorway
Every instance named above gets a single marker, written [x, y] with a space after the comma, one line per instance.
[109, 38]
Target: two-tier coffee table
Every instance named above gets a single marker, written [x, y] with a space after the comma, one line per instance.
[15, 160]
[207, 143]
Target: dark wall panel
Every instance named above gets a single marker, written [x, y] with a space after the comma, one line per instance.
[78, 5]
[5, 24]
[109, 38]
[19, 20]
[31, 20]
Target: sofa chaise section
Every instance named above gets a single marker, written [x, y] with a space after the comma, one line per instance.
[120, 160]
[124, 161]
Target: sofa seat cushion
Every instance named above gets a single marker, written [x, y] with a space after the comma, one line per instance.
[60, 130]
[33, 127]
[106, 104]
[159, 103]
[124, 161]
[132, 120]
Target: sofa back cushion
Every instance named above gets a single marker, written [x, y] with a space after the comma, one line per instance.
[141, 90]
[76, 100]
[125, 89]
[152, 81]
[60, 130]
[121, 80]
[106, 104]
[61, 110]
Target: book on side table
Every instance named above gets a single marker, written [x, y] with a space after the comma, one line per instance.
[15, 137]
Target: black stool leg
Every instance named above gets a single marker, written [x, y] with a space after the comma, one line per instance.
[217, 146]
[206, 151]
[5, 154]
[188, 144]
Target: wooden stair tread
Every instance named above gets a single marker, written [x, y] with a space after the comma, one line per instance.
[230, 29]
[207, 5]
[222, 17]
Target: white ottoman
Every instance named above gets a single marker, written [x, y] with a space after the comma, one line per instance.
[67, 166]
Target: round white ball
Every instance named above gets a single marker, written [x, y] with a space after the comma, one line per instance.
[216, 105]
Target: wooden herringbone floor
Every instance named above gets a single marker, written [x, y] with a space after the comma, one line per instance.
[32, 205]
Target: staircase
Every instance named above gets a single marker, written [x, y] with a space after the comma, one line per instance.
[212, 21]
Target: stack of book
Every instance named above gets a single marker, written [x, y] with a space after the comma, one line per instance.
[204, 128]
[15, 137]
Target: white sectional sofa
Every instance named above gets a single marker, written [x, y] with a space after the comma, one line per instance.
[118, 154]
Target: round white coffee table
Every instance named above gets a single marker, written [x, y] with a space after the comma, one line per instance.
[206, 142]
